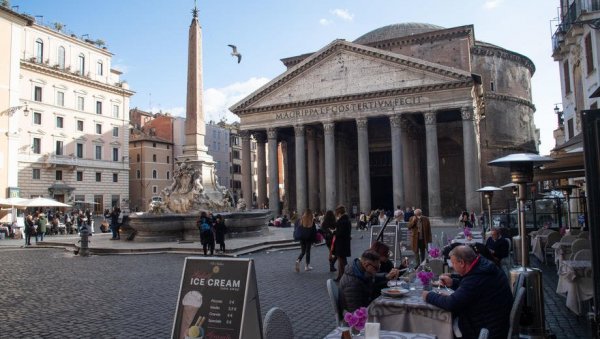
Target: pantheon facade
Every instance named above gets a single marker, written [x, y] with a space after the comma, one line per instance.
[405, 115]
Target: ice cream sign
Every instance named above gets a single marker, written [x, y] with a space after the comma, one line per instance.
[218, 299]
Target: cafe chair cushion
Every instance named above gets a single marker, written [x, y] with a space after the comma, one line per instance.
[277, 325]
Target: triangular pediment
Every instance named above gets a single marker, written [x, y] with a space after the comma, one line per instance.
[343, 69]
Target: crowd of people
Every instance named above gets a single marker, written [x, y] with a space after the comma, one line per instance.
[39, 223]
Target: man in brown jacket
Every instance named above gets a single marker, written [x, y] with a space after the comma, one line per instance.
[421, 235]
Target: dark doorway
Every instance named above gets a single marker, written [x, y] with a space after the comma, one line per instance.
[382, 193]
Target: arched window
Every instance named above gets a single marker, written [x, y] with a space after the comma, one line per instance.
[39, 51]
[61, 57]
[154, 174]
[82, 64]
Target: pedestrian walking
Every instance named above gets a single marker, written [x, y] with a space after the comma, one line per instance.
[220, 231]
[29, 229]
[343, 231]
[308, 232]
[42, 224]
[421, 235]
[207, 238]
[328, 231]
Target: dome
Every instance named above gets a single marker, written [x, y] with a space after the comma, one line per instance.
[396, 31]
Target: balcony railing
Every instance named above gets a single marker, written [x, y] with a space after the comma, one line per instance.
[570, 17]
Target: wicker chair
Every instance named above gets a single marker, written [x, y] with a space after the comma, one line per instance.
[553, 237]
[334, 296]
[578, 245]
[515, 313]
[585, 254]
[584, 235]
[277, 325]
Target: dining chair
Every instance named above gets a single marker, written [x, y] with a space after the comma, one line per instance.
[585, 254]
[553, 237]
[578, 245]
[437, 266]
[515, 313]
[484, 333]
[334, 296]
[277, 325]
[568, 238]
[584, 235]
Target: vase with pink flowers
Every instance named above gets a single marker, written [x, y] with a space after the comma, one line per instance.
[356, 320]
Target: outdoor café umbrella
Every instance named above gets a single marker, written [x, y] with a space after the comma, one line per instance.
[42, 202]
[12, 202]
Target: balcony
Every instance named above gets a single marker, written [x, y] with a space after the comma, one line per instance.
[572, 17]
[59, 161]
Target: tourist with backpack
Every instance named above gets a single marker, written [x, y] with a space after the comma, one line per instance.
[207, 237]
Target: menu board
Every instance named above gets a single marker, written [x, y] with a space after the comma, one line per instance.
[390, 238]
[218, 298]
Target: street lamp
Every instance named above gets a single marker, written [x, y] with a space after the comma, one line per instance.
[566, 191]
[12, 110]
[521, 172]
[559, 115]
[488, 194]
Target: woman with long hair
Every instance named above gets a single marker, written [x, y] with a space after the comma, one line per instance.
[341, 248]
[328, 230]
[307, 236]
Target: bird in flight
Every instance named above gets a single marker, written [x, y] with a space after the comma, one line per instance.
[235, 53]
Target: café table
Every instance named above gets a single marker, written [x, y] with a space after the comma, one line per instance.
[575, 281]
[562, 251]
[337, 334]
[410, 313]
[537, 245]
[465, 241]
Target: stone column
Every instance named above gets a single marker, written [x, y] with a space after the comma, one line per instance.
[261, 169]
[273, 172]
[408, 159]
[433, 166]
[364, 174]
[471, 158]
[300, 169]
[246, 169]
[313, 179]
[330, 182]
[397, 161]
[321, 150]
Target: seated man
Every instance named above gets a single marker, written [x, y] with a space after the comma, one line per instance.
[386, 269]
[482, 297]
[497, 245]
[356, 285]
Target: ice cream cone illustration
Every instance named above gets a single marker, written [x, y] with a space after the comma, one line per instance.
[191, 303]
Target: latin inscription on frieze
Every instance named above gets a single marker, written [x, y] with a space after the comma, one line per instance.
[349, 108]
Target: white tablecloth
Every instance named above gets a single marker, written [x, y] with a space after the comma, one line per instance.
[538, 243]
[411, 314]
[337, 334]
[562, 251]
[466, 242]
[575, 281]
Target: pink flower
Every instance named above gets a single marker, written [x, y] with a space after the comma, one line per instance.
[357, 319]
[467, 232]
[434, 252]
[425, 277]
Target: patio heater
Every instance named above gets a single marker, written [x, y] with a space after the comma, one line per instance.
[488, 194]
[521, 172]
[566, 191]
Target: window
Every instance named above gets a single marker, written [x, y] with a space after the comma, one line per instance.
[59, 147]
[154, 189]
[168, 146]
[137, 158]
[60, 98]
[81, 103]
[79, 151]
[58, 175]
[237, 169]
[98, 177]
[98, 107]
[99, 68]
[153, 157]
[36, 147]
[98, 152]
[115, 154]
[98, 128]
[79, 176]
[154, 174]
[567, 77]
[589, 54]
[39, 51]
[81, 64]
[61, 57]
[35, 174]
[154, 144]
[37, 118]
[60, 122]
[138, 174]
[80, 125]
[570, 129]
[115, 132]
[168, 159]
[37, 93]
[115, 177]
[168, 175]
[236, 154]
[115, 111]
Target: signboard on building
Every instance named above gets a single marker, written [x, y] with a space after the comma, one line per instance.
[218, 298]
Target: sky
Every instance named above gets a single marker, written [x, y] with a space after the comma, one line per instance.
[149, 40]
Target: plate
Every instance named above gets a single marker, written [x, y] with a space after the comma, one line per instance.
[394, 291]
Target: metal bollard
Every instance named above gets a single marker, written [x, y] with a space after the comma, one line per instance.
[84, 249]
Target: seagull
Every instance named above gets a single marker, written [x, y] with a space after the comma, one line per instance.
[235, 53]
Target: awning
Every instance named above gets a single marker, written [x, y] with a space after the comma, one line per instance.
[567, 165]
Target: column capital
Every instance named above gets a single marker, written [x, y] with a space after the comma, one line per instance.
[260, 137]
[299, 130]
[244, 134]
[329, 127]
[395, 120]
[272, 133]
[362, 123]
[466, 113]
[430, 118]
